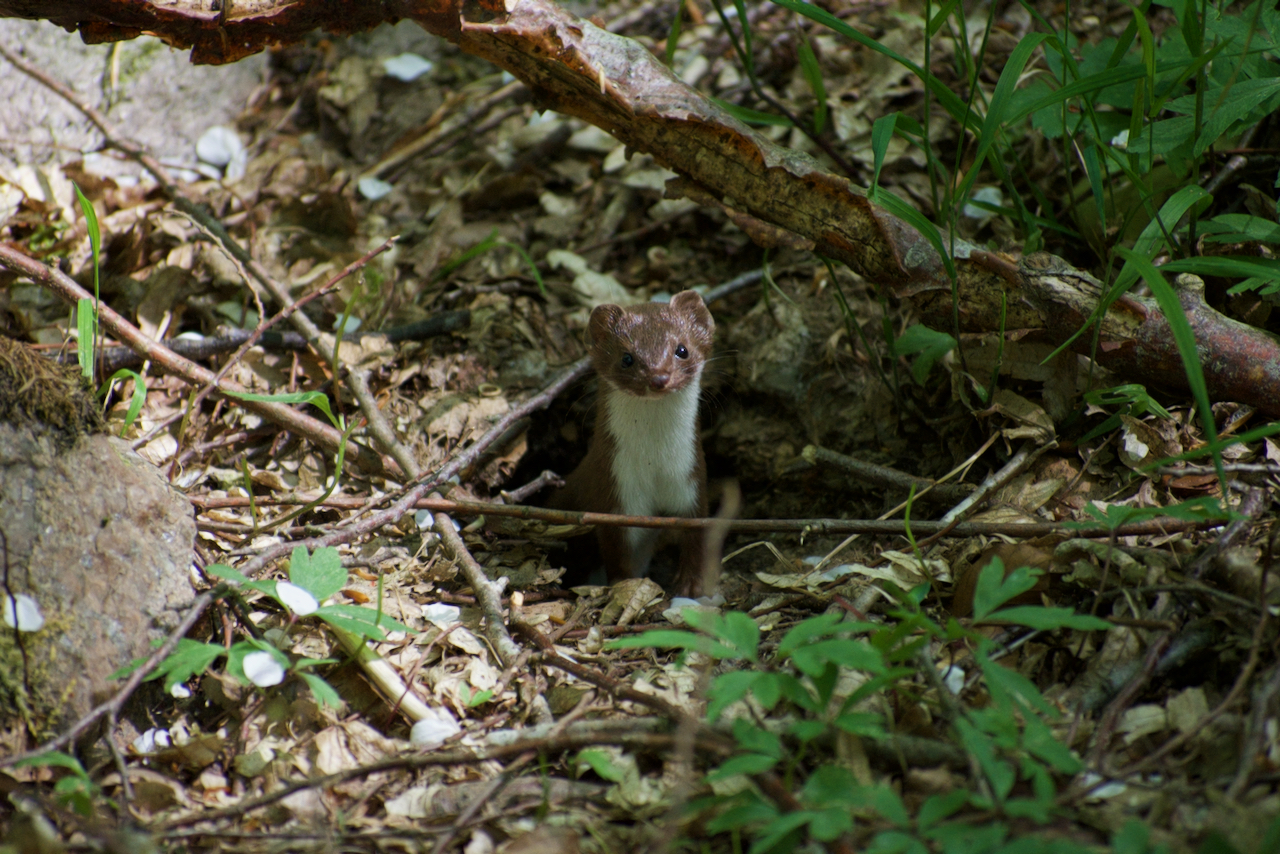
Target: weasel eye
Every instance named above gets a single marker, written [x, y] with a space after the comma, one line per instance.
[628, 360]
[681, 352]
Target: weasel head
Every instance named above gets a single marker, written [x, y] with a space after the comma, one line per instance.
[653, 349]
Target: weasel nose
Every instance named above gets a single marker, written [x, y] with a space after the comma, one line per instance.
[659, 381]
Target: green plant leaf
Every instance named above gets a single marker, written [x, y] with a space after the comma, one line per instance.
[1008, 686]
[86, 350]
[930, 344]
[903, 211]
[189, 659]
[751, 809]
[1240, 228]
[84, 335]
[53, 759]
[949, 100]
[1244, 100]
[782, 833]
[676, 639]
[315, 398]
[940, 807]
[1152, 239]
[755, 739]
[865, 724]
[998, 108]
[221, 570]
[1000, 774]
[897, 842]
[813, 76]
[728, 688]
[994, 588]
[321, 573]
[748, 116]
[825, 825]
[601, 762]
[324, 693]
[813, 659]
[673, 34]
[740, 631]
[1047, 619]
[881, 136]
[807, 730]
[743, 763]
[360, 621]
[1038, 739]
[136, 400]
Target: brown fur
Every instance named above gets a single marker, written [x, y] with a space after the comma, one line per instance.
[650, 334]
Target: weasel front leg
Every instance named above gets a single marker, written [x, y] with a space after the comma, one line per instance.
[615, 552]
[689, 581]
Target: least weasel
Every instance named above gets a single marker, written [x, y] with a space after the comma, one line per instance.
[645, 458]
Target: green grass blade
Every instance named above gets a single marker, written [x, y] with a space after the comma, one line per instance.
[813, 76]
[896, 206]
[135, 402]
[748, 116]
[84, 335]
[1186, 342]
[881, 134]
[1152, 239]
[673, 34]
[949, 100]
[999, 105]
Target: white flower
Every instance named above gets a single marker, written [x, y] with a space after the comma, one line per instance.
[21, 612]
[299, 600]
[180, 691]
[152, 740]
[262, 669]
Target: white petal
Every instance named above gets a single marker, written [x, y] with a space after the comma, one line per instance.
[953, 678]
[146, 743]
[432, 731]
[262, 669]
[23, 613]
[219, 146]
[180, 691]
[407, 66]
[373, 188]
[441, 615]
[299, 600]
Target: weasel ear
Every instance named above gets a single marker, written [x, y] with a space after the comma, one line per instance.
[690, 304]
[603, 320]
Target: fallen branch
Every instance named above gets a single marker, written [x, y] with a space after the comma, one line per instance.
[1151, 527]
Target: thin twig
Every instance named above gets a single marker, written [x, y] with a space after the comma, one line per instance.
[882, 527]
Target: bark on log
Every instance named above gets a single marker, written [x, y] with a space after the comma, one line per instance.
[579, 69]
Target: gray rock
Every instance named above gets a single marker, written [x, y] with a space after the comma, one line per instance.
[103, 544]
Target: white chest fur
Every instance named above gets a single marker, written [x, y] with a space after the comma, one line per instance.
[655, 451]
